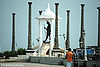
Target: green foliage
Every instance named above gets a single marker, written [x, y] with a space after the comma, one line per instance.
[7, 54]
[21, 51]
[1, 54]
[13, 54]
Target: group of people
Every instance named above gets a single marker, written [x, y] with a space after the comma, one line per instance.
[70, 55]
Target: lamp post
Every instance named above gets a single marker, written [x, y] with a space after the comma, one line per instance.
[65, 44]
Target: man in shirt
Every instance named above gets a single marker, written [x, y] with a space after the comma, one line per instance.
[69, 56]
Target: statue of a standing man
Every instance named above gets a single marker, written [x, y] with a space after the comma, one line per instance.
[48, 29]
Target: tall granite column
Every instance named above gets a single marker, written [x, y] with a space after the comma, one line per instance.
[13, 33]
[98, 26]
[29, 27]
[82, 27]
[56, 27]
[67, 41]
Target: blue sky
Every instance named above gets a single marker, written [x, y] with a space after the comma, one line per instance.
[20, 7]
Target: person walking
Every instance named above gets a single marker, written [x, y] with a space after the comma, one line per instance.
[69, 56]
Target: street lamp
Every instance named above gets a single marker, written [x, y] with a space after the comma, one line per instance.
[65, 44]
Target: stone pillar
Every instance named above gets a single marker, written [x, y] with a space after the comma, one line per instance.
[13, 33]
[40, 35]
[56, 27]
[68, 41]
[29, 28]
[81, 40]
[51, 39]
[98, 26]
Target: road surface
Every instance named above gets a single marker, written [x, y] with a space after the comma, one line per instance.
[20, 64]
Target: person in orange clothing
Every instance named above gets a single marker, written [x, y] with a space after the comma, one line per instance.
[69, 56]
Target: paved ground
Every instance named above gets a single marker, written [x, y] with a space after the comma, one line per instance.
[20, 64]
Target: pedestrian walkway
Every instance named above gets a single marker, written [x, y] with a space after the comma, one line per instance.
[21, 64]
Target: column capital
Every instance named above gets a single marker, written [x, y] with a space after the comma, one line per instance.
[40, 12]
[98, 8]
[68, 11]
[29, 3]
[56, 3]
[82, 4]
[13, 13]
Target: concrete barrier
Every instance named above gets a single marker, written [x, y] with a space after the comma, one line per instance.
[62, 61]
[47, 60]
[88, 63]
[23, 56]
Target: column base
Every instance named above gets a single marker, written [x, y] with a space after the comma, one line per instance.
[30, 51]
[57, 52]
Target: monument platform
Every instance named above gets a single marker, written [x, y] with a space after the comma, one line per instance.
[57, 52]
[47, 60]
[30, 51]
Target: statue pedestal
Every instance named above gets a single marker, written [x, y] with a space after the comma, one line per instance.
[44, 49]
[30, 52]
[57, 52]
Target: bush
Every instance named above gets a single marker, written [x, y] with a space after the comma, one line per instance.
[13, 54]
[1, 54]
[7, 54]
[21, 51]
